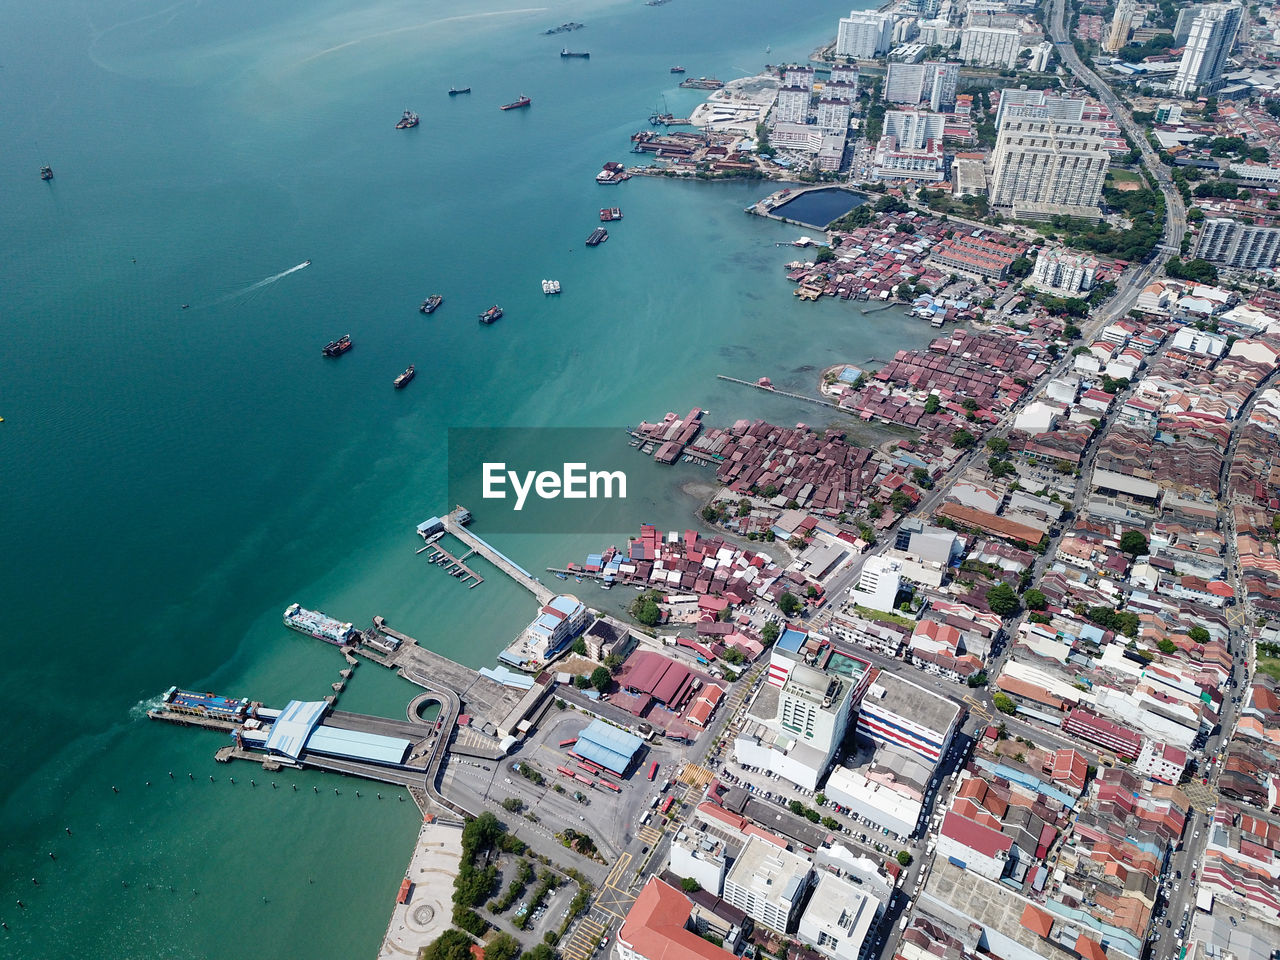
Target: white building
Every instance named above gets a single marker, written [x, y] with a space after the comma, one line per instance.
[768, 884]
[795, 76]
[700, 856]
[801, 137]
[1041, 54]
[931, 82]
[881, 803]
[1240, 245]
[1050, 104]
[1069, 272]
[1161, 762]
[562, 619]
[898, 712]
[865, 34]
[1050, 164]
[1209, 41]
[938, 32]
[791, 105]
[843, 75]
[990, 46]
[878, 587]
[838, 918]
[833, 115]
[1121, 23]
[831, 151]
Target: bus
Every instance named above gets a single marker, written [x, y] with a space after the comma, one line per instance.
[581, 779]
[565, 771]
[568, 743]
[585, 768]
[612, 786]
[666, 806]
[653, 770]
[609, 773]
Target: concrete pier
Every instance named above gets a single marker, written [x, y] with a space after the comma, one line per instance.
[781, 393]
[517, 573]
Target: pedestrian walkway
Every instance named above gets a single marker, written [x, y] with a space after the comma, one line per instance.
[649, 835]
[582, 940]
[695, 776]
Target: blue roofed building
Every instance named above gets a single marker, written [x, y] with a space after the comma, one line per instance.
[557, 623]
[298, 729]
[609, 746]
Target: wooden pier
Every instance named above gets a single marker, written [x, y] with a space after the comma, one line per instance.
[454, 566]
[781, 393]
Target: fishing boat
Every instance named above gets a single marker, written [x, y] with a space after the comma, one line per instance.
[454, 91]
[46, 172]
[523, 101]
[550, 286]
[429, 305]
[559, 576]
[336, 348]
[402, 381]
[492, 314]
[677, 69]
[410, 119]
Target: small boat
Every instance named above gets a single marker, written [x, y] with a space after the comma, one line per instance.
[516, 104]
[559, 576]
[429, 305]
[610, 213]
[306, 263]
[566, 53]
[403, 380]
[492, 314]
[550, 286]
[579, 579]
[410, 119]
[336, 348]
[454, 91]
[598, 236]
[677, 69]
[46, 172]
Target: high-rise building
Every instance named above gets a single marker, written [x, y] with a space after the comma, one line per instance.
[990, 46]
[838, 918]
[1182, 29]
[795, 76]
[1241, 245]
[931, 82]
[913, 128]
[768, 884]
[1070, 272]
[833, 115]
[1120, 26]
[1040, 56]
[1209, 41]
[1042, 165]
[865, 34]
[1050, 104]
[792, 105]
[845, 75]
[898, 712]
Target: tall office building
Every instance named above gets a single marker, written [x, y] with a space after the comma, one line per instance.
[864, 35]
[1240, 245]
[1212, 33]
[1120, 25]
[792, 105]
[990, 46]
[931, 82]
[1043, 166]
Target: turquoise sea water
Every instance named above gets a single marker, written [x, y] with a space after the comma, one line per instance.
[172, 478]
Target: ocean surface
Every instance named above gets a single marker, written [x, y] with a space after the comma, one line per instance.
[173, 478]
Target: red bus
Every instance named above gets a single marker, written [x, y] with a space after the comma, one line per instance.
[612, 786]
[585, 768]
[653, 771]
[568, 743]
[609, 773]
[581, 779]
[667, 804]
[565, 771]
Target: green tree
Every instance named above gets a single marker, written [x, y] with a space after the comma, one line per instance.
[790, 604]
[690, 885]
[904, 858]
[932, 404]
[579, 646]
[539, 952]
[744, 507]
[769, 634]
[1133, 543]
[900, 501]
[601, 678]
[962, 439]
[998, 445]
[581, 682]
[1035, 600]
[1198, 635]
[614, 662]
[502, 946]
[1166, 645]
[1002, 600]
[824, 255]
[450, 945]
[875, 511]
[1004, 703]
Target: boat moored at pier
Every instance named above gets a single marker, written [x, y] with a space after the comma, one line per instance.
[318, 625]
[550, 286]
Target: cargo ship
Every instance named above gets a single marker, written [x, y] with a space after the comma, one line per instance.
[610, 213]
[677, 69]
[598, 236]
[492, 314]
[702, 83]
[410, 119]
[566, 52]
[46, 172]
[516, 104]
[429, 305]
[454, 91]
[336, 348]
[316, 624]
[402, 381]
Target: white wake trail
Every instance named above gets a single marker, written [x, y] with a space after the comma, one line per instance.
[265, 282]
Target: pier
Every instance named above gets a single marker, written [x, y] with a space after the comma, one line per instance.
[454, 566]
[767, 206]
[453, 526]
[781, 393]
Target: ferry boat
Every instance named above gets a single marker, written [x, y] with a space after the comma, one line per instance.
[46, 172]
[566, 52]
[316, 624]
[677, 69]
[454, 91]
[550, 286]
[598, 236]
[516, 104]
[410, 119]
[402, 381]
[702, 83]
[492, 314]
[430, 304]
[336, 348]
[610, 213]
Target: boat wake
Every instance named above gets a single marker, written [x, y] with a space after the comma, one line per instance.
[255, 287]
[139, 710]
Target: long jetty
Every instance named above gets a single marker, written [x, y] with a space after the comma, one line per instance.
[454, 527]
[781, 393]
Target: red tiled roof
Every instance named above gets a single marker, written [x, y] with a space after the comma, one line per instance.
[1038, 921]
[654, 927]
